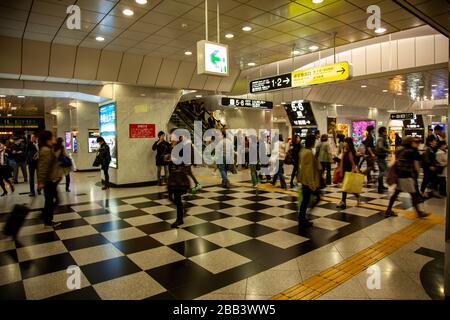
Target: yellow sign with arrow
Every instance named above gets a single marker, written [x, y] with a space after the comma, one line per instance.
[316, 75]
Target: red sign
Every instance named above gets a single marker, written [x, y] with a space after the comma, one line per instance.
[142, 130]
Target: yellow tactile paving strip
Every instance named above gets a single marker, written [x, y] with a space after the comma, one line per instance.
[334, 276]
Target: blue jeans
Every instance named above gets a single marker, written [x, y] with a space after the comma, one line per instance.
[223, 172]
[280, 173]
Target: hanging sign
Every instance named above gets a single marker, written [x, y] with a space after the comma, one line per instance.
[212, 58]
[247, 103]
[329, 73]
[300, 113]
[402, 116]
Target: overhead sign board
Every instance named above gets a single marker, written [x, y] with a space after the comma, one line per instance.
[402, 116]
[212, 58]
[247, 103]
[415, 123]
[300, 113]
[272, 83]
[329, 73]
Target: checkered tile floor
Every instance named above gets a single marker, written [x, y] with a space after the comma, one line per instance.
[127, 250]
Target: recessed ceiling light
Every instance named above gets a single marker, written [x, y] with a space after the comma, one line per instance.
[13, 108]
[317, 1]
[141, 1]
[198, 96]
[188, 53]
[363, 86]
[339, 105]
[100, 39]
[295, 52]
[251, 64]
[229, 36]
[246, 28]
[9, 115]
[380, 30]
[21, 97]
[434, 85]
[128, 12]
[313, 48]
[385, 90]
[184, 25]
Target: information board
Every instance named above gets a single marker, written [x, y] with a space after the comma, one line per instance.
[300, 113]
[141, 130]
[108, 130]
[402, 116]
[272, 83]
[247, 103]
[415, 123]
[212, 58]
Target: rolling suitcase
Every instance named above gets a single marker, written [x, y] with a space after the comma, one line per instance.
[16, 220]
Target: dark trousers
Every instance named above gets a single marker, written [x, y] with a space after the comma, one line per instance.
[294, 172]
[32, 173]
[344, 197]
[326, 166]
[68, 182]
[414, 197]
[370, 161]
[175, 197]
[382, 168]
[23, 167]
[51, 196]
[106, 174]
[2, 183]
[429, 179]
[442, 186]
[306, 197]
[190, 174]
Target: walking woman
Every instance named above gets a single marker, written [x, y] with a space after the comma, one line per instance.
[161, 146]
[48, 175]
[347, 164]
[296, 146]
[280, 156]
[430, 168]
[407, 169]
[104, 158]
[65, 171]
[5, 170]
[178, 182]
[325, 157]
[309, 177]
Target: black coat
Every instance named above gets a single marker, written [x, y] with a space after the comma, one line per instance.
[105, 155]
[162, 149]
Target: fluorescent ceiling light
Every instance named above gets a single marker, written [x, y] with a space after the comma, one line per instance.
[385, 90]
[141, 1]
[188, 53]
[251, 64]
[100, 39]
[380, 30]
[128, 12]
[416, 80]
[198, 96]
[434, 85]
[420, 87]
[20, 96]
[313, 48]
[229, 36]
[246, 28]
[317, 1]
[363, 86]
[2, 96]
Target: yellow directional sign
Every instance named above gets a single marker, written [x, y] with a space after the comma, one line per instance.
[329, 73]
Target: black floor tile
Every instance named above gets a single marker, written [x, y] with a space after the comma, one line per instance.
[223, 198]
[254, 230]
[288, 198]
[255, 216]
[168, 215]
[111, 225]
[257, 198]
[87, 293]
[12, 291]
[212, 216]
[131, 214]
[330, 205]
[256, 206]
[85, 242]
[218, 206]
[39, 238]
[46, 265]
[32, 222]
[62, 209]
[71, 224]
[193, 247]
[227, 191]
[90, 213]
[157, 196]
[179, 273]
[162, 296]
[8, 257]
[147, 204]
[137, 244]
[204, 229]
[290, 206]
[257, 251]
[109, 269]
[154, 227]
[111, 202]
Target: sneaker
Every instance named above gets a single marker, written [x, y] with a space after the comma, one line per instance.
[176, 224]
[390, 213]
[32, 194]
[52, 224]
[422, 214]
[341, 205]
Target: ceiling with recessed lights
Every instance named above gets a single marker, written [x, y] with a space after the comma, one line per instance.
[169, 28]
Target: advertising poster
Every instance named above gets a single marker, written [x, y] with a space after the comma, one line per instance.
[359, 132]
[145, 130]
[68, 140]
[342, 128]
[331, 126]
[93, 134]
[75, 141]
[108, 130]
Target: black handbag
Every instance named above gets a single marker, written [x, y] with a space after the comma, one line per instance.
[97, 161]
[178, 181]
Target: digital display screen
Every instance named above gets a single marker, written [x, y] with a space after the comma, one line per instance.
[108, 130]
[68, 140]
[93, 146]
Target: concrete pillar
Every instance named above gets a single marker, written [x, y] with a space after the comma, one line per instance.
[139, 105]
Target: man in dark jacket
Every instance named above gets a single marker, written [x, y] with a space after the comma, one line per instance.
[19, 157]
[32, 160]
[382, 152]
[104, 155]
[162, 148]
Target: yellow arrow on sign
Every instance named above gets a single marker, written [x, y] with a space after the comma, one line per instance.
[329, 73]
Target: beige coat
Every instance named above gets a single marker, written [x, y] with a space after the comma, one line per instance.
[308, 173]
[48, 167]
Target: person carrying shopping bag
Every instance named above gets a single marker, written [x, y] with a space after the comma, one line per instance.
[348, 167]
